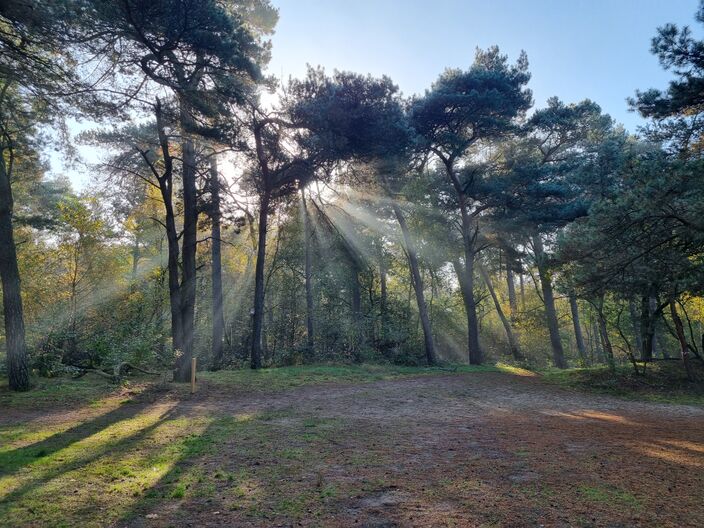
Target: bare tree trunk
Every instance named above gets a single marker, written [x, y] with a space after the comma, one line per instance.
[606, 342]
[218, 330]
[417, 281]
[558, 353]
[182, 372]
[17, 363]
[469, 233]
[383, 301]
[258, 316]
[356, 297]
[310, 306]
[596, 339]
[512, 301]
[523, 290]
[658, 335]
[635, 324]
[135, 259]
[470, 303]
[579, 338]
[684, 347]
[166, 189]
[512, 341]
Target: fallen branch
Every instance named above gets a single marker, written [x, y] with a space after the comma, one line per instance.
[118, 372]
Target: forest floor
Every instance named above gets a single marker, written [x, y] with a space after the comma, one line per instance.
[347, 446]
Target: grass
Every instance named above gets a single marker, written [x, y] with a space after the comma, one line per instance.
[122, 455]
[47, 393]
[284, 378]
[50, 392]
[609, 495]
[661, 382]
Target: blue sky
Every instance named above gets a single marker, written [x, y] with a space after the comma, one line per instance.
[597, 49]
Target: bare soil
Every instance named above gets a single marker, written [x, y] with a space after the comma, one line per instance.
[485, 449]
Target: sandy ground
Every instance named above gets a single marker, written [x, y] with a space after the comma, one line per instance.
[483, 449]
[471, 450]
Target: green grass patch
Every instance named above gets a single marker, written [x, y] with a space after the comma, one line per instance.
[67, 391]
[664, 382]
[282, 378]
[609, 495]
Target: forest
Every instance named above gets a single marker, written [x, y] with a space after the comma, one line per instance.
[330, 229]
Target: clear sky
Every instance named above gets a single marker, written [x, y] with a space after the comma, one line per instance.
[597, 49]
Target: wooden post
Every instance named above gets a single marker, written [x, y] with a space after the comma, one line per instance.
[193, 375]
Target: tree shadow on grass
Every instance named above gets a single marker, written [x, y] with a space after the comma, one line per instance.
[121, 446]
[13, 460]
[184, 475]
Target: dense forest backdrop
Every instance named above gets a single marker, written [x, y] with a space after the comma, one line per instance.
[252, 221]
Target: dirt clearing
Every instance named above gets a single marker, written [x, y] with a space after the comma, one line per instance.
[480, 449]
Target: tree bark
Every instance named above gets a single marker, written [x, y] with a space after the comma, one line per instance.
[684, 347]
[182, 372]
[258, 316]
[356, 301]
[558, 353]
[512, 341]
[523, 290]
[579, 338]
[606, 342]
[310, 305]
[417, 281]
[135, 259]
[17, 363]
[512, 301]
[469, 231]
[384, 295]
[165, 181]
[470, 303]
[218, 330]
[635, 324]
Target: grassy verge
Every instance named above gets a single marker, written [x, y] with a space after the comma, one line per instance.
[661, 382]
[89, 390]
[283, 378]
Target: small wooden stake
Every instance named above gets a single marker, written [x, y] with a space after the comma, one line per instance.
[193, 375]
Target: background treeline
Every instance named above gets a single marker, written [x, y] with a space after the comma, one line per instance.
[340, 222]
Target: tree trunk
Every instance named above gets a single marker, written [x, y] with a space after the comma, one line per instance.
[135, 259]
[596, 340]
[558, 353]
[188, 254]
[417, 281]
[469, 232]
[512, 301]
[356, 298]
[258, 316]
[684, 347]
[216, 270]
[310, 306]
[658, 334]
[606, 342]
[166, 189]
[523, 290]
[647, 328]
[512, 341]
[384, 295]
[635, 320]
[470, 304]
[579, 338]
[17, 364]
